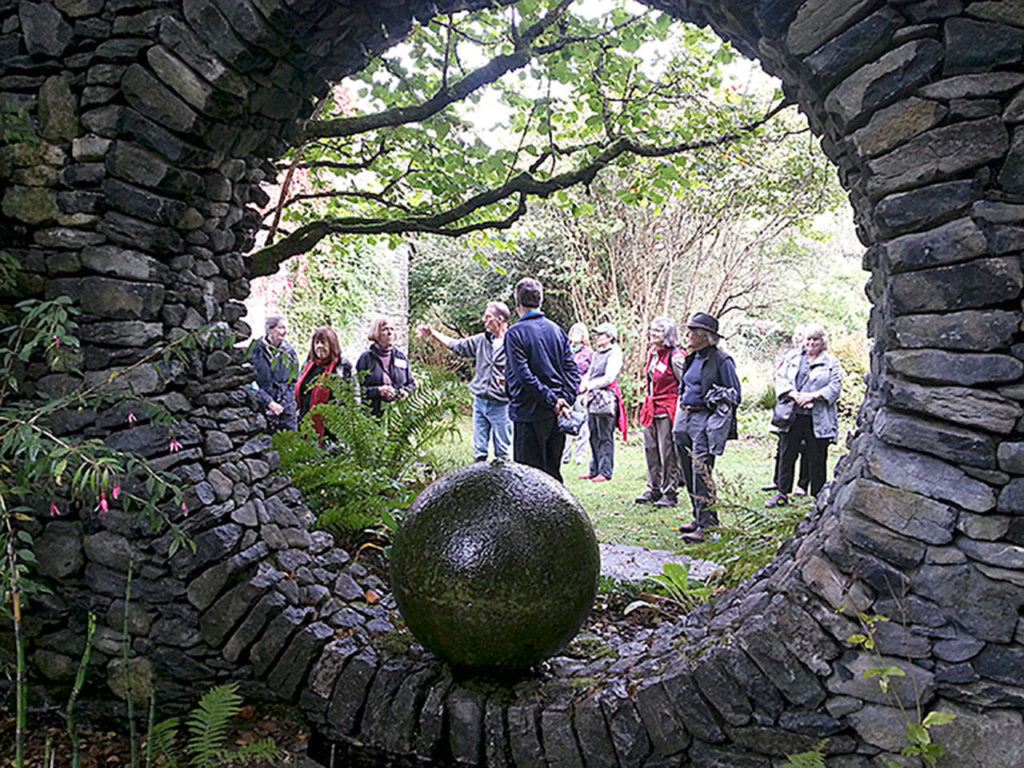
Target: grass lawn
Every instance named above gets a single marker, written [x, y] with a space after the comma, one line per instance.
[748, 464]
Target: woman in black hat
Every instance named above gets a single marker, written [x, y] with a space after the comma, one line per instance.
[709, 394]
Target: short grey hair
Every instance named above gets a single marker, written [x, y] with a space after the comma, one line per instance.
[272, 322]
[529, 293]
[712, 338]
[501, 310]
[668, 328]
[814, 331]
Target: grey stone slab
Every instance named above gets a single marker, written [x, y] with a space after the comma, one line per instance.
[904, 512]
[275, 637]
[971, 285]
[957, 241]
[1011, 175]
[892, 126]
[967, 330]
[525, 736]
[859, 44]
[667, 733]
[968, 407]
[880, 83]
[928, 477]
[626, 728]
[592, 731]
[405, 709]
[984, 607]
[981, 739]
[923, 208]
[964, 369]
[955, 148]
[781, 667]
[850, 679]
[897, 550]
[818, 21]
[350, 692]
[375, 722]
[955, 444]
[560, 747]
[690, 707]
[720, 688]
[430, 729]
[980, 46]
[465, 725]
[296, 661]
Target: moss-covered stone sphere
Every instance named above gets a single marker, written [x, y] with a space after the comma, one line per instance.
[495, 566]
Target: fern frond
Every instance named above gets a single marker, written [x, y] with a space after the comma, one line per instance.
[208, 725]
[257, 752]
[162, 742]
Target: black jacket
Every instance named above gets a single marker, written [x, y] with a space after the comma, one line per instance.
[371, 375]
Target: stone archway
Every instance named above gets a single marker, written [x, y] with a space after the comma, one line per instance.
[157, 121]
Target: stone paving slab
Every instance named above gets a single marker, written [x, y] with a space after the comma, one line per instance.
[629, 563]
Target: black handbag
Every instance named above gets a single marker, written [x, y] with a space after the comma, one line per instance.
[783, 413]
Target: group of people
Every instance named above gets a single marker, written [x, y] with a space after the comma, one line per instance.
[382, 373]
[543, 394]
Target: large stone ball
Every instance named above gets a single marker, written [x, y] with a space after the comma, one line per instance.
[495, 566]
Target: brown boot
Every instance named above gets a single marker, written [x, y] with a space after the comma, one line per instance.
[689, 528]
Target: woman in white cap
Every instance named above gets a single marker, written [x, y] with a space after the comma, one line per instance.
[600, 388]
[708, 397]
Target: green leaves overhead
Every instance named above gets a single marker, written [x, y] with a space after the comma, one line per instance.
[453, 129]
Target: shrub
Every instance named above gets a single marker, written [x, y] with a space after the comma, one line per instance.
[368, 470]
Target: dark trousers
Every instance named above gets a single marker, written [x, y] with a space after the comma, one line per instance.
[602, 444]
[803, 479]
[815, 455]
[697, 467]
[539, 444]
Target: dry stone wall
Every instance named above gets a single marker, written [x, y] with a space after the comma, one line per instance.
[158, 119]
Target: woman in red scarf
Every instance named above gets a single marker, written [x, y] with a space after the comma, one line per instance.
[324, 360]
[662, 374]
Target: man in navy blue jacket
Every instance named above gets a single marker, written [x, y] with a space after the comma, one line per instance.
[541, 378]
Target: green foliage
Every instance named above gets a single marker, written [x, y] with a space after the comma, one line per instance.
[751, 538]
[336, 285]
[812, 759]
[686, 592]
[208, 728]
[369, 469]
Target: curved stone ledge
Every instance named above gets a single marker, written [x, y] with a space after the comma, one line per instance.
[159, 121]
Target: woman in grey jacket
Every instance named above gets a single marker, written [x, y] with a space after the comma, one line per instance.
[813, 381]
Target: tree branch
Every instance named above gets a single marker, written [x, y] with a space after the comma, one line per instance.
[266, 260]
[488, 73]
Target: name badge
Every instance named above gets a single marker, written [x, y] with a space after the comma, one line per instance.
[399, 363]
[661, 367]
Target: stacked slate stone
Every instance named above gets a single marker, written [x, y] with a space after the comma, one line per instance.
[158, 119]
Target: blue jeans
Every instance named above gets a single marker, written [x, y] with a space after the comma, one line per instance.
[490, 422]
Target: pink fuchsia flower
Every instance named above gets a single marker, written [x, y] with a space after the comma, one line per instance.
[131, 418]
[56, 342]
[116, 491]
[54, 509]
[184, 508]
[103, 507]
[174, 446]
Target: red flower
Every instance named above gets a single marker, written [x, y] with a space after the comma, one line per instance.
[184, 508]
[116, 491]
[103, 507]
[56, 342]
[131, 419]
[174, 445]
[54, 509]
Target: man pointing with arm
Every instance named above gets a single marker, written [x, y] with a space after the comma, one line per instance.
[490, 401]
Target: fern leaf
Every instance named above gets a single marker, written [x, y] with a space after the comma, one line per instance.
[162, 742]
[208, 725]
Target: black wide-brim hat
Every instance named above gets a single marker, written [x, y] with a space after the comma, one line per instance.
[705, 322]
